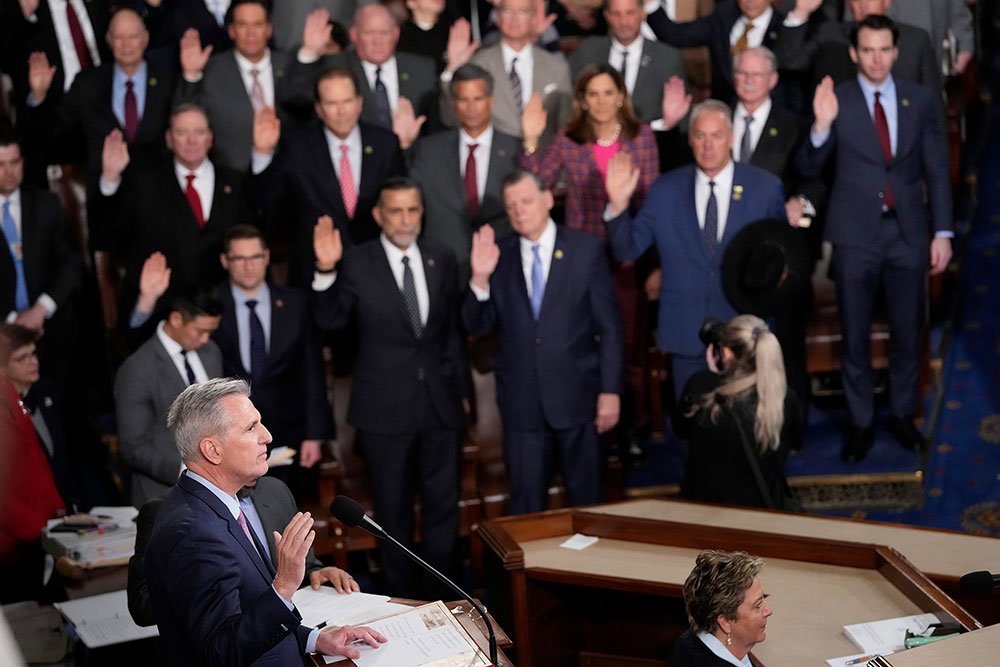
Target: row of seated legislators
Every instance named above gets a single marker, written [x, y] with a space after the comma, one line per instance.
[397, 183]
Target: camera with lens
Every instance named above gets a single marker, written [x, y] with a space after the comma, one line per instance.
[711, 333]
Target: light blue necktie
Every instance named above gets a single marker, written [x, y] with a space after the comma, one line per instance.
[537, 283]
[14, 241]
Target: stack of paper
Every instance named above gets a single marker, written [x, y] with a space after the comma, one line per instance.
[94, 550]
[884, 637]
[328, 607]
[101, 620]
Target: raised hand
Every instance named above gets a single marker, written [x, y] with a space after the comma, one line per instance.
[114, 156]
[28, 7]
[337, 642]
[154, 279]
[40, 75]
[533, 120]
[825, 106]
[460, 44]
[316, 33]
[541, 21]
[484, 257]
[293, 545]
[266, 130]
[193, 57]
[676, 102]
[405, 123]
[342, 582]
[620, 181]
[326, 244]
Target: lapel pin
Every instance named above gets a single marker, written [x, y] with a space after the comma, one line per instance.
[369, 150]
[773, 131]
[430, 261]
[737, 192]
[228, 189]
[404, 76]
[152, 81]
[906, 102]
[280, 73]
[644, 61]
[558, 254]
[278, 303]
[48, 401]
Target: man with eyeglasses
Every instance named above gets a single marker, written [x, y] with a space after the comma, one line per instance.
[176, 241]
[267, 337]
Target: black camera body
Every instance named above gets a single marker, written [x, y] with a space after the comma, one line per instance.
[711, 333]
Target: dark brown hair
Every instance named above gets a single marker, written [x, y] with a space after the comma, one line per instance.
[579, 128]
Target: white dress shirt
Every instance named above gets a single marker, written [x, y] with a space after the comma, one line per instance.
[525, 67]
[546, 247]
[757, 33]
[265, 75]
[67, 50]
[389, 77]
[483, 142]
[353, 143]
[634, 51]
[723, 192]
[756, 127]
[174, 350]
[204, 183]
[395, 257]
[263, 310]
[715, 646]
[15, 213]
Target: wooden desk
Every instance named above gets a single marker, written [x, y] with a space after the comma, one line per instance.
[974, 649]
[622, 597]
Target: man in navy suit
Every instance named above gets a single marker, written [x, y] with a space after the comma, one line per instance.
[691, 213]
[216, 596]
[889, 154]
[547, 291]
[406, 402]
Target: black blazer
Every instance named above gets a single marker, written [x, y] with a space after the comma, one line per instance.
[393, 365]
[303, 170]
[168, 23]
[150, 213]
[291, 397]
[51, 259]
[689, 651]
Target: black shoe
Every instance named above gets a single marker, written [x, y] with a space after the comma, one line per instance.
[906, 434]
[859, 440]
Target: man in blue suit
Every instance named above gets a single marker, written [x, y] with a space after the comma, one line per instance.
[889, 153]
[547, 292]
[217, 598]
[691, 213]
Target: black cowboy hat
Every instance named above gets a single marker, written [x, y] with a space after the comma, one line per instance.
[766, 267]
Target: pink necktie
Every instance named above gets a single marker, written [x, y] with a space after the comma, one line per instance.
[347, 189]
[256, 91]
[242, 520]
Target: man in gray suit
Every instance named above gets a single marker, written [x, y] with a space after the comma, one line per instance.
[179, 354]
[520, 70]
[235, 85]
[460, 170]
[646, 65]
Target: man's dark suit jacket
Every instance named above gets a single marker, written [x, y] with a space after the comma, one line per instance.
[291, 397]
[692, 288]
[417, 81]
[275, 507]
[550, 371]
[52, 262]
[222, 92]
[211, 592]
[713, 31]
[393, 365]
[303, 170]
[919, 167]
[658, 63]
[86, 108]
[447, 221]
[150, 213]
[168, 23]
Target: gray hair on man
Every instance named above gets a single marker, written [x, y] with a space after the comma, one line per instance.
[761, 51]
[197, 413]
[709, 106]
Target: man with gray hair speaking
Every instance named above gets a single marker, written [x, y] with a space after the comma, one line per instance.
[217, 600]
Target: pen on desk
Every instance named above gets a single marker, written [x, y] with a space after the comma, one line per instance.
[858, 661]
[321, 625]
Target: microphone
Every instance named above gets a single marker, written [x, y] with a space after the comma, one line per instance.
[350, 513]
[978, 583]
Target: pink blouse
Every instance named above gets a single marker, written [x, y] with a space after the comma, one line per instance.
[603, 155]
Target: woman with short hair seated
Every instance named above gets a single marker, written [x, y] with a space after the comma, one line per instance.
[727, 609]
[740, 420]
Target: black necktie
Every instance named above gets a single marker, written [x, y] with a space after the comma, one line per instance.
[410, 298]
[258, 344]
[711, 229]
[382, 108]
[745, 141]
[187, 368]
[624, 66]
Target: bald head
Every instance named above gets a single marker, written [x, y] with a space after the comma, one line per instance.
[128, 39]
[375, 33]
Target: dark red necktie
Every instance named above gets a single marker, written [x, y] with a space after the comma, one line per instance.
[882, 127]
[79, 41]
[471, 191]
[194, 200]
[131, 112]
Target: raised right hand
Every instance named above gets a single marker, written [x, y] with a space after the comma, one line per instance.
[621, 181]
[40, 75]
[825, 105]
[293, 545]
[153, 282]
[114, 156]
[676, 102]
[533, 120]
[326, 244]
[484, 257]
[460, 44]
[266, 130]
[193, 57]
[316, 32]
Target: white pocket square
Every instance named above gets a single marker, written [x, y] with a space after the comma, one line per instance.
[549, 88]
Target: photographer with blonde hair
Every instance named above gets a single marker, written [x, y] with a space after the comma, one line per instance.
[739, 418]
